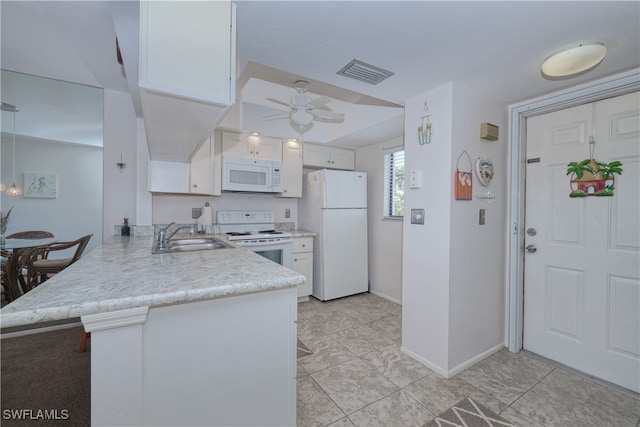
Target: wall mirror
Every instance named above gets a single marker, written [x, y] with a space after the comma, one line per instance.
[58, 157]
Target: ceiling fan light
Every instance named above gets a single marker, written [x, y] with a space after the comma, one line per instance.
[301, 117]
[574, 60]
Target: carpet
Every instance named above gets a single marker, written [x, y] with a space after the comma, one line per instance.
[44, 380]
[468, 413]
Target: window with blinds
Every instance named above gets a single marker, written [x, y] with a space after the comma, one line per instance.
[394, 184]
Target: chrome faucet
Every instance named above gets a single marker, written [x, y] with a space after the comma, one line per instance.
[191, 228]
[162, 236]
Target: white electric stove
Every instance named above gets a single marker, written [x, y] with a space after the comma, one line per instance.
[255, 230]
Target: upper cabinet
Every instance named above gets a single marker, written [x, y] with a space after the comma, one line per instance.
[323, 156]
[200, 176]
[186, 73]
[250, 146]
[291, 169]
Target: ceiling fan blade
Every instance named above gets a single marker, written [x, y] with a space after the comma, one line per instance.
[277, 101]
[327, 116]
[321, 100]
[277, 116]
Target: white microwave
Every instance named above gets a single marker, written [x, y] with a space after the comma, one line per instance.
[251, 175]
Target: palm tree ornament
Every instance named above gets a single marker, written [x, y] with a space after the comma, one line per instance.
[591, 177]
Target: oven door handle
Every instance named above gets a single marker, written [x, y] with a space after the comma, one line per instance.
[251, 244]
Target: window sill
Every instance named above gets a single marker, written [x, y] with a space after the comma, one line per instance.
[392, 218]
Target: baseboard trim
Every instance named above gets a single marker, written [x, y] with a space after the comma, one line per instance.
[461, 367]
[425, 362]
[388, 298]
[464, 365]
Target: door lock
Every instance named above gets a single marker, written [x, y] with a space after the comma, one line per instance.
[531, 249]
[531, 231]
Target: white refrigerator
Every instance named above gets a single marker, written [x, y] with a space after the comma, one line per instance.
[334, 205]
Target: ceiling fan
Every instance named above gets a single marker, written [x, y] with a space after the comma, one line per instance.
[305, 109]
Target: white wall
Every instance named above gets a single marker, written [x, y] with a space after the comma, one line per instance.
[425, 264]
[120, 139]
[385, 235]
[78, 208]
[478, 252]
[453, 268]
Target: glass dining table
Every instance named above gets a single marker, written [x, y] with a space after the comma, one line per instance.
[19, 249]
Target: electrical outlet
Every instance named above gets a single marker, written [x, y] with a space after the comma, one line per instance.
[287, 213]
[196, 213]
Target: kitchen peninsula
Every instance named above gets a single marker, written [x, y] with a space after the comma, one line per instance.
[204, 337]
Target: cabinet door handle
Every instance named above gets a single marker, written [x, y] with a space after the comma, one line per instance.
[195, 185]
[304, 246]
[295, 260]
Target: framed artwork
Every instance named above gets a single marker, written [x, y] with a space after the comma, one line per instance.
[42, 185]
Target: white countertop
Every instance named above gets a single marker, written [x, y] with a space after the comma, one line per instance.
[122, 273]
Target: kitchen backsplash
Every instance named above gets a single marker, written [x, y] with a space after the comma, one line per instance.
[147, 230]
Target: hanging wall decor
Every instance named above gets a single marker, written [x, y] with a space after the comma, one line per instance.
[424, 128]
[591, 177]
[463, 180]
[484, 171]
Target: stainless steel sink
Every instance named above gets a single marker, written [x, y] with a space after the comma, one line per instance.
[191, 244]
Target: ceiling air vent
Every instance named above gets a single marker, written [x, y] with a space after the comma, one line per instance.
[364, 72]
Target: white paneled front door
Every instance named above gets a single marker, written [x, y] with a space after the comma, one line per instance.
[582, 255]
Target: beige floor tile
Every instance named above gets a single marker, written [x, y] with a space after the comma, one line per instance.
[608, 399]
[499, 381]
[398, 409]
[353, 385]
[342, 422]
[360, 339]
[327, 352]
[437, 393]
[396, 366]
[518, 419]
[390, 326]
[314, 407]
[550, 407]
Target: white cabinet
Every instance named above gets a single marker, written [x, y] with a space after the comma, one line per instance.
[186, 73]
[186, 364]
[291, 169]
[204, 170]
[168, 177]
[323, 156]
[202, 175]
[303, 263]
[250, 146]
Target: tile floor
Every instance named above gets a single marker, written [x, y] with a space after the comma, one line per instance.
[357, 376]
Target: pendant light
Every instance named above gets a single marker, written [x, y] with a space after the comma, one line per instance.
[14, 190]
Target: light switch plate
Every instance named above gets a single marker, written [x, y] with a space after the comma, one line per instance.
[481, 217]
[417, 216]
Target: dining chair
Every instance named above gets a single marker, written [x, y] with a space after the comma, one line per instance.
[30, 234]
[40, 266]
[22, 261]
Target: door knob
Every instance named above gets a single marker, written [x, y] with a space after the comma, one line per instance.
[531, 249]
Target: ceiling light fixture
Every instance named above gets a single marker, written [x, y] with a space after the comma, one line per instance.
[14, 190]
[574, 60]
